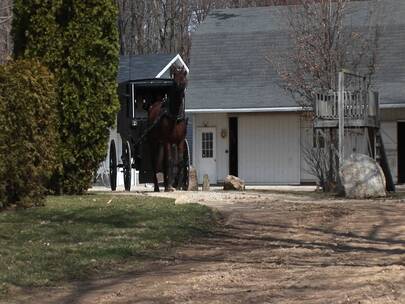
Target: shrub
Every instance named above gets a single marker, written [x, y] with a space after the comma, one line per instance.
[28, 136]
[78, 41]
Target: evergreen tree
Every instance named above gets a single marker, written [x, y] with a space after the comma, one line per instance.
[78, 41]
[28, 137]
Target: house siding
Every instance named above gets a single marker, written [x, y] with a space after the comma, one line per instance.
[306, 142]
[389, 136]
[268, 146]
[189, 136]
[389, 120]
[389, 133]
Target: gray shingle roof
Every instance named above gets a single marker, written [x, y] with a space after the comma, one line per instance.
[142, 66]
[229, 69]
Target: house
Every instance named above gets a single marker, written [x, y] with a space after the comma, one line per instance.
[138, 67]
[246, 125]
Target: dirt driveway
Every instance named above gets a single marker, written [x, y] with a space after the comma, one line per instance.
[273, 248]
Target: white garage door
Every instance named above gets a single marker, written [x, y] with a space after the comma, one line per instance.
[269, 148]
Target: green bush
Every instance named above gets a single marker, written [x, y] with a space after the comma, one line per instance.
[28, 136]
[78, 41]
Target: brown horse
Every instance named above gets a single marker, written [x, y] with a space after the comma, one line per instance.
[167, 137]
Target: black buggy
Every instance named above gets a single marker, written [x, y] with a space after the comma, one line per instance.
[132, 125]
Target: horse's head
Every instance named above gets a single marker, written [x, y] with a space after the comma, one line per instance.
[180, 76]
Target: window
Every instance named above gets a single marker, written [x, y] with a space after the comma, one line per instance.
[207, 145]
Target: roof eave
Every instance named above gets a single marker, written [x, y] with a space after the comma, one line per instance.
[246, 110]
[274, 109]
[392, 106]
[175, 58]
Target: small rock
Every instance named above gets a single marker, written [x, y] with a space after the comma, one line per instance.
[206, 183]
[234, 183]
[193, 179]
[160, 177]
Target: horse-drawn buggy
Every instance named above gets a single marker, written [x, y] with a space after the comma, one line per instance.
[152, 125]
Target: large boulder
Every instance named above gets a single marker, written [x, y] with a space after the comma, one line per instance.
[234, 183]
[362, 177]
[192, 179]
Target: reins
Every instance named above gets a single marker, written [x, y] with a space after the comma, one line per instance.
[162, 113]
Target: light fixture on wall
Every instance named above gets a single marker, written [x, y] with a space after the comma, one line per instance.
[224, 133]
[205, 123]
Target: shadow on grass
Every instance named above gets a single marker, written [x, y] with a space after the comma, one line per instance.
[267, 241]
[344, 237]
[75, 238]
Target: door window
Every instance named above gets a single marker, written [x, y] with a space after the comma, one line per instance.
[207, 144]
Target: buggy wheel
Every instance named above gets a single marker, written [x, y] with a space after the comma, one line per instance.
[127, 165]
[186, 166]
[113, 166]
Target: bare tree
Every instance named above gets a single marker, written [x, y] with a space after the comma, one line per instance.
[317, 160]
[5, 28]
[322, 44]
[149, 26]
[152, 26]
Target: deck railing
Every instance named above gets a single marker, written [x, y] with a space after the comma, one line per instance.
[359, 105]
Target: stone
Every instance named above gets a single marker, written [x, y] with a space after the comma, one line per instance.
[160, 177]
[206, 183]
[362, 177]
[192, 179]
[234, 183]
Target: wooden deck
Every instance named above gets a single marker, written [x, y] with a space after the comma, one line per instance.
[360, 110]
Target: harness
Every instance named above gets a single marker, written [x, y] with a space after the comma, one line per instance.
[151, 126]
[163, 112]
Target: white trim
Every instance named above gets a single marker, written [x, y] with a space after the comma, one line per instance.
[177, 57]
[183, 63]
[392, 106]
[300, 147]
[275, 109]
[195, 162]
[133, 100]
[246, 110]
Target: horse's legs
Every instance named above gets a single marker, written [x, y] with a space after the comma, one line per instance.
[165, 166]
[168, 168]
[180, 165]
[155, 182]
[155, 151]
[175, 167]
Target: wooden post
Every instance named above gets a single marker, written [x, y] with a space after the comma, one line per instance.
[341, 111]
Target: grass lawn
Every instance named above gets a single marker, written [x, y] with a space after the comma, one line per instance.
[78, 237]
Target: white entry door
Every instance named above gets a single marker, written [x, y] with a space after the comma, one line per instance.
[207, 154]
